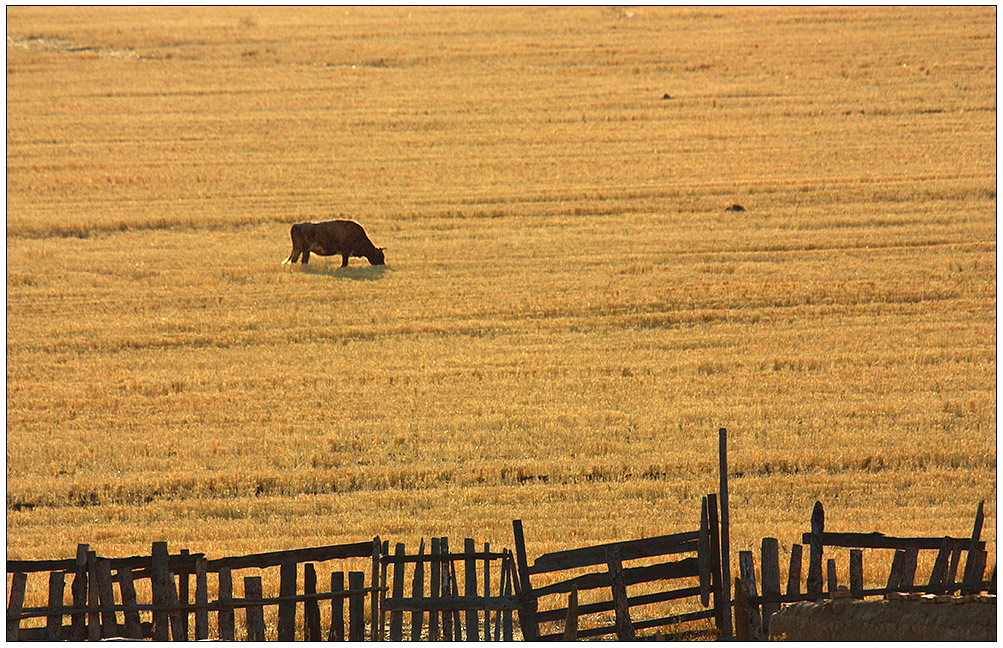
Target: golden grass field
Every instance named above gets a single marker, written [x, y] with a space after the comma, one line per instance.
[568, 314]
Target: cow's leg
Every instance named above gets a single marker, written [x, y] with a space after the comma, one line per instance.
[306, 256]
[293, 256]
[344, 259]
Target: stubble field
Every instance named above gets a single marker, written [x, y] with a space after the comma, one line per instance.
[568, 314]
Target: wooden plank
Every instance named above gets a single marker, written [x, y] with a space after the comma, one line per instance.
[54, 622]
[717, 586]
[356, 607]
[588, 633]
[450, 603]
[856, 573]
[725, 533]
[18, 584]
[703, 555]
[93, 618]
[225, 616]
[831, 578]
[470, 588]
[974, 585]
[184, 583]
[337, 632]
[794, 570]
[78, 590]
[632, 601]
[201, 599]
[287, 609]
[374, 597]
[571, 619]
[527, 611]
[939, 574]
[895, 574]
[970, 578]
[276, 558]
[881, 541]
[454, 586]
[633, 575]
[770, 568]
[418, 593]
[133, 628]
[487, 591]
[747, 569]
[618, 587]
[396, 617]
[815, 550]
[254, 615]
[159, 583]
[742, 613]
[106, 596]
[909, 567]
[629, 550]
[311, 608]
[435, 581]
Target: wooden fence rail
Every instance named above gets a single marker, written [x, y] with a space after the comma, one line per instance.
[753, 610]
[702, 569]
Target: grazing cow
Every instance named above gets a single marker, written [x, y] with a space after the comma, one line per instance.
[346, 238]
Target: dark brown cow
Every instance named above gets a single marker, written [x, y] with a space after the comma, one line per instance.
[328, 238]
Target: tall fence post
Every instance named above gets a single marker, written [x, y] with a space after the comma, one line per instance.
[78, 621]
[770, 569]
[815, 551]
[725, 522]
[287, 609]
[470, 587]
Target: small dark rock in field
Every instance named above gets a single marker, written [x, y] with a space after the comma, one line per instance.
[735, 208]
[666, 96]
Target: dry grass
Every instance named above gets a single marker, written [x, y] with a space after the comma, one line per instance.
[568, 314]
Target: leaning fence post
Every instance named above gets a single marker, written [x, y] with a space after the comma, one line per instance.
[939, 573]
[624, 627]
[725, 526]
[794, 570]
[717, 583]
[126, 585]
[19, 583]
[770, 557]
[571, 619]
[815, 551]
[703, 555]
[909, 568]
[970, 578]
[895, 574]
[527, 603]
[418, 592]
[54, 622]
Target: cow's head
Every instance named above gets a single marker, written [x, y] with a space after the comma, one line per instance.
[376, 258]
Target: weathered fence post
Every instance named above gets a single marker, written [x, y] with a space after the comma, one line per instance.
[527, 604]
[939, 573]
[184, 583]
[742, 612]
[909, 568]
[396, 616]
[973, 571]
[470, 587]
[201, 598]
[109, 622]
[357, 606]
[717, 581]
[93, 618]
[434, 582]
[376, 595]
[508, 561]
[815, 551]
[794, 570]
[384, 565]
[254, 614]
[624, 627]
[126, 585]
[18, 584]
[831, 579]
[287, 609]
[770, 561]
[895, 574]
[311, 607]
[487, 591]
[159, 577]
[857, 573]
[747, 570]
[337, 632]
[225, 611]
[571, 619]
[725, 531]
[447, 616]
[703, 555]
[418, 592]
[78, 621]
[54, 622]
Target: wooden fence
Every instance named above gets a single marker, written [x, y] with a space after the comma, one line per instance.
[444, 603]
[753, 610]
[702, 568]
[96, 613]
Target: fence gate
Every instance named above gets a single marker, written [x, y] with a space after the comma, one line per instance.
[696, 575]
[450, 610]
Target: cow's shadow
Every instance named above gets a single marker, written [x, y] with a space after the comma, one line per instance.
[357, 273]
